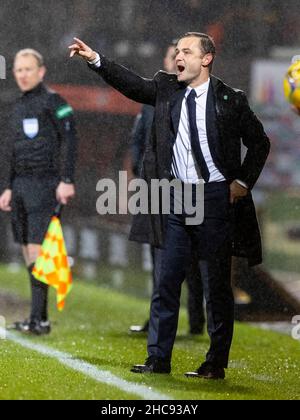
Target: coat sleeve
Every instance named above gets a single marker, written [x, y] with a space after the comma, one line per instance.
[256, 141]
[127, 82]
[62, 116]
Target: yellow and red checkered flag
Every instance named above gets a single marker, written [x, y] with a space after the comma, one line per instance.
[52, 266]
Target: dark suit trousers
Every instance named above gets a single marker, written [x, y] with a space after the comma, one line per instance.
[211, 241]
[195, 296]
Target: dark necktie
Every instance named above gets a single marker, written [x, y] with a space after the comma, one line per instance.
[195, 143]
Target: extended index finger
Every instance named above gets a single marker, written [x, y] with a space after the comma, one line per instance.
[81, 43]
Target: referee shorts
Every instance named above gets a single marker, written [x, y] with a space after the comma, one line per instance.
[33, 204]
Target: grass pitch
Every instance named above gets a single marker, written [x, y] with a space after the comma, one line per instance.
[94, 328]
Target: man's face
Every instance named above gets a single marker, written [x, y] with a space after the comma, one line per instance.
[169, 60]
[27, 72]
[191, 62]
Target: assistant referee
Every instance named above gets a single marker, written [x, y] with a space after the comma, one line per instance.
[42, 145]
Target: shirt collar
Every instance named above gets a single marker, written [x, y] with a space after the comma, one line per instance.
[199, 89]
[35, 91]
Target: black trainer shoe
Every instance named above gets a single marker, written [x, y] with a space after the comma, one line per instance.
[153, 365]
[22, 326]
[32, 327]
[40, 327]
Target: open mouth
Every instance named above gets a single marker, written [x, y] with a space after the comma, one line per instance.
[180, 68]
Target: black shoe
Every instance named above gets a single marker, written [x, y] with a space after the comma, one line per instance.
[140, 328]
[22, 326]
[40, 327]
[32, 327]
[153, 365]
[207, 371]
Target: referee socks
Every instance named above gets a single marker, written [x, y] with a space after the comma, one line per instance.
[39, 293]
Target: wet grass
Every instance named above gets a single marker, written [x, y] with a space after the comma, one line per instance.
[94, 327]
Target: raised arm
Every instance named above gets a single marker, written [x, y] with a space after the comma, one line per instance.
[119, 77]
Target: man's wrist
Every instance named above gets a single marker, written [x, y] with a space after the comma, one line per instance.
[96, 61]
[67, 180]
[242, 183]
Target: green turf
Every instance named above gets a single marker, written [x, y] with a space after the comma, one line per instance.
[26, 375]
[282, 209]
[94, 326]
[282, 261]
[282, 206]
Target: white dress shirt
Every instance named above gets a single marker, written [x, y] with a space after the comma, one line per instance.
[184, 165]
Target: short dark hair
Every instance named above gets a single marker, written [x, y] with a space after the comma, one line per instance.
[208, 45]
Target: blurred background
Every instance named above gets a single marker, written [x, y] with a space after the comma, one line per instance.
[256, 40]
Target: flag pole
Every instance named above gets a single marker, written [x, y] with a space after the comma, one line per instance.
[58, 210]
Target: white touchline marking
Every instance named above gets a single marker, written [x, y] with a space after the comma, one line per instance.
[263, 378]
[88, 369]
[237, 364]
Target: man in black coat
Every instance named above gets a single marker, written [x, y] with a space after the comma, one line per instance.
[199, 124]
[141, 136]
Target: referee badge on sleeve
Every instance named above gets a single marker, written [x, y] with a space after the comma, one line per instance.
[64, 111]
[31, 127]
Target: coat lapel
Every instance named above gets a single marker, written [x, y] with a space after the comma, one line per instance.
[213, 136]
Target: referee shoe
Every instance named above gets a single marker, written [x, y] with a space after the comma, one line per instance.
[32, 327]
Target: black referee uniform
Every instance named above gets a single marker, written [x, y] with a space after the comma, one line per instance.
[43, 137]
[44, 142]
